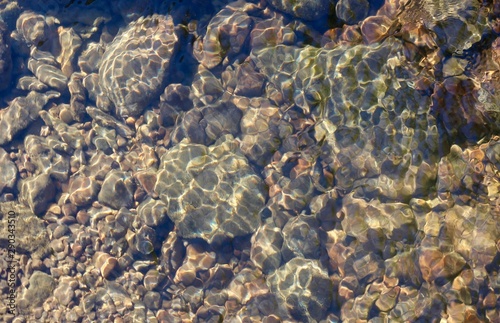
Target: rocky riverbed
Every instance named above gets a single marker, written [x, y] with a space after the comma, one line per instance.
[272, 161]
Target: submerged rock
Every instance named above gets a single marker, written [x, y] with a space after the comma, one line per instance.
[46, 69]
[117, 190]
[226, 34]
[32, 237]
[8, 172]
[455, 25]
[37, 192]
[134, 65]
[210, 192]
[40, 288]
[32, 28]
[304, 9]
[21, 113]
[352, 11]
[304, 288]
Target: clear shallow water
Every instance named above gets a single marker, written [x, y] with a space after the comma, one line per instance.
[189, 162]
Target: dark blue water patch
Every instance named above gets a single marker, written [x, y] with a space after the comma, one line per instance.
[375, 5]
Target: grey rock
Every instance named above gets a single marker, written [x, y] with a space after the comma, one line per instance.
[32, 28]
[32, 237]
[31, 83]
[8, 172]
[152, 212]
[304, 288]
[205, 125]
[173, 101]
[78, 97]
[210, 192]
[64, 293]
[37, 192]
[105, 120]
[117, 190]
[90, 58]
[70, 44]
[46, 69]
[49, 156]
[304, 9]
[456, 25]
[21, 113]
[70, 135]
[152, 300]
[301, 238]
[41, 287]
[352, 11]
[135, 63]
[226, 35]
[83, 190]
[266, 247]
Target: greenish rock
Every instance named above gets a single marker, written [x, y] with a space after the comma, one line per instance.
[40, 288]
[378, 132]
[304, 9]
[31, 235]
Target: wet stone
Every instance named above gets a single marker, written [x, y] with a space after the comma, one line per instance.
[352, 11]
[153, 279]
[263, 130]
[32, 28]
[83, 190]
[302, 281]
[197, 259]
[46, 69]
[76, 109]
[142, 50]
[457, 25]
[70, 43]
[266, 247]
[301, 238]
[152, 212]
[31, 83]
[64, 293]
[308, 10]
[152, 300]
[117, 190]
[90, 58]
[226, 35]
[41, 287]
[8, 172]
[21, 113]
[49, 156]
[206, 88]
[173, 101]
[216, 194]
[205, 125]
[31, 234]
[37, 192]
[105, 263]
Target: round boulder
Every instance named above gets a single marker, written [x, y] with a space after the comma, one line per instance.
[210, 192]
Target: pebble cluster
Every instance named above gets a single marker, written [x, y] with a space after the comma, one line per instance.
[251, 161]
